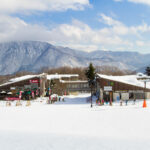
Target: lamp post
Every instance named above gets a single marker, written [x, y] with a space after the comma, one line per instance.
[92, 84]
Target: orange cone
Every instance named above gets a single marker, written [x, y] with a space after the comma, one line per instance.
[144, 104]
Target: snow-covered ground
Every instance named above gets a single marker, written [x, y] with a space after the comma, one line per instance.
[73, 125]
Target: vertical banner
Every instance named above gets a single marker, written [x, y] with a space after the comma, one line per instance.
[50, 91]
[20, 95]
[37, 92]
[32, 94]
[65, 93]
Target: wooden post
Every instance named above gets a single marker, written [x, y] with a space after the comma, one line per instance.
[91, 98]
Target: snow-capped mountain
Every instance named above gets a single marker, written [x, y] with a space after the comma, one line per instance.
[33, 55]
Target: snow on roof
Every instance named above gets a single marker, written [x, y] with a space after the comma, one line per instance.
[49, 77]
[128, 79]
[77, 81]
[22, 78]
[14, 80]
[59, 76]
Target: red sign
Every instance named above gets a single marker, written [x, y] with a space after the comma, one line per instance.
[34, 81]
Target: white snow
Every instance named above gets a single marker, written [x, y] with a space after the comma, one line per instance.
[59, 76]
[128, 79]
[76, 81]
[73, 125]
[22, 78]
[13, 80]
[49, 77]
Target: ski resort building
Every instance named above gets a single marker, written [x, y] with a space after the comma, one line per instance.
[121, 87]
[43, 84]
[28, 83]
[67, 84]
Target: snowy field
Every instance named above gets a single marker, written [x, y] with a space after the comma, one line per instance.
[73, 125]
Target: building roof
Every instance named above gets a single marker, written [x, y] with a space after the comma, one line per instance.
[128, 79]
[59, 76]
[18, 79]
[49, 77]
[76, 81]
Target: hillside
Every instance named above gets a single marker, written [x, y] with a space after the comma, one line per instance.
[33, 55]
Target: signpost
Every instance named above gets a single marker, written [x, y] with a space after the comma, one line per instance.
[144, 79]
[107, 88]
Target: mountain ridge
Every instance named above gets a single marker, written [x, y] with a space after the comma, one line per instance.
[33, 55]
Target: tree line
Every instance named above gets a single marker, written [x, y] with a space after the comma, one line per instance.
[108, 70]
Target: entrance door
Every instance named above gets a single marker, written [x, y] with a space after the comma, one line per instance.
[108, 96]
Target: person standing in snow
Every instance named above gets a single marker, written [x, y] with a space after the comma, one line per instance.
[120, 102]
[134, 101]
[126, 102]
[63, 99]
[102, 101]
[59, 98]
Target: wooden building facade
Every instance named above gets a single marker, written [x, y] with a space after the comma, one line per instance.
[109, 89]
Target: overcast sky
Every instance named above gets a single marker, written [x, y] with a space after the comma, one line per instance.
[117, 25]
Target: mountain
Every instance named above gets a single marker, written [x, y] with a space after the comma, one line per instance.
[33, 55]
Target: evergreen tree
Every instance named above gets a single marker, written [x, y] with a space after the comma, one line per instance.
[90, 74]
[52, 85]
[147, 71]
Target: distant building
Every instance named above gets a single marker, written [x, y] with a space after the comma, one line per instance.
[120, 87]
[68, 84]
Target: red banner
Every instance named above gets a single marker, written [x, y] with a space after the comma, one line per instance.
[20, 94]
[12, 98]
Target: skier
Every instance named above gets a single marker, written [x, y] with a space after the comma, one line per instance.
[102, 101]
[126, 102]
[134, 101]
[120, 102]
[63, 99]
[59, 98]
[110, 102]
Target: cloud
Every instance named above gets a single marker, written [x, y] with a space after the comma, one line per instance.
[146, 2]
[108, 20]
[121, 29]
[76, 35]
[140, 43]
[20, 6]
[118, 0]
